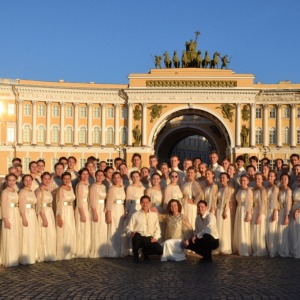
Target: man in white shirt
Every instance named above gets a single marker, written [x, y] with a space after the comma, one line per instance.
[218, 169]
[174, 161]
[143, 228]
[206, 236]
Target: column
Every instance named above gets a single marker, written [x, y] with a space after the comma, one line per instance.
[103, 112]
[76, 108]
[129, 122]
[144, 125]
[293, 126]
[89, 129]
[238, 125]
[33, 140]
[278, 125]
[265, 126]
[116, 125]
[62, 123]
[252, 125]
[48, 119]
[19, 123]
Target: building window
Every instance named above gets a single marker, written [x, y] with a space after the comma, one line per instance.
[109, 162]
[298, 112]
[286, 135]
[41, 110]
[124, 135]
[26, 161]
[286, 112]
[110, 112]
[82, 135]
[41, 134]
[258, 112]
[69, 135]
[26, 134]
[27, 110]
[53, 162]
[82, 162]
[298, 136]
[11, 134]
[11, 109]
[258, 135]
[55, 133]
[83, 112]
[55, 111]
[110, 135]
[272, 112]
[124, 113]
[272, 136]
[96, 112]
[96, 135]
[69, 112]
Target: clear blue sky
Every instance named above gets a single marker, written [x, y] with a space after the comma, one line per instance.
[105, 41]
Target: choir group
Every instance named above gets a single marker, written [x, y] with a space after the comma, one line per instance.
[67, 214]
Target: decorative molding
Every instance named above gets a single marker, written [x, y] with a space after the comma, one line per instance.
[192, 83]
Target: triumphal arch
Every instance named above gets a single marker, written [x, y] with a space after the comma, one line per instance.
[150, 114]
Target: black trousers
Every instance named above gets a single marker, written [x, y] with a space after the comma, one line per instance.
[204, 246]
[144, 242]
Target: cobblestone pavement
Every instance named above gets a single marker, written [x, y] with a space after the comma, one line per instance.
[228, 277]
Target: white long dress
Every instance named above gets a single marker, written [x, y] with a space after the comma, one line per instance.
[172, 192]
[115, 204]
[271, 226]
[10, 238]
[258, 231]
[83, 229]
[66, 236]
[178, 228]
[191, 190]
[242, 233]
[210, 195]
[99, 229]
[29, 234]
[224, 198]
[295, 225]
[47, 235]
[285, 200]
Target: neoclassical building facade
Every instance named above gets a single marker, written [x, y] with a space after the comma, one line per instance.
[150, 114]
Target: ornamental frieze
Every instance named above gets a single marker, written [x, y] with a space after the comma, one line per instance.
[192, 83]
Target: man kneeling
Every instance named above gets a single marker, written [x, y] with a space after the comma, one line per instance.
[206, 236]
[143, 228]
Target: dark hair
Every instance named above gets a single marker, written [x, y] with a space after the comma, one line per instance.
[16, 159]
[240, 157]
[91, 159]
[135, 172]
[44, 174]
[108, 168]
[99, 171]
[72, 157]
[62, 158]
[155, 174]
[294, 155]
[41, 160]
[26, 175]
[65, 174]
[118, 159]
[145, 197]
[284, 174]
[58, 164]
[31, 163]
[11, 175]
[226, 174]
[169, 206]
[253, 158]
[82, 170]
[136, 155]
[203, 202]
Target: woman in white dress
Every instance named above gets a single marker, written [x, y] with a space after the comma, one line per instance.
[225, 199]
[99, 226]
[258, 222]
[115, 216]
[172, 190]
[178, 229]
[201, 179]
[29, 228]
[285, 202]
[295, 222]
[242, 234]
[210, 191]
[65, 227]
[192, 193]
[272, 215]
[83, 216]
[46, 220]
[11, 223]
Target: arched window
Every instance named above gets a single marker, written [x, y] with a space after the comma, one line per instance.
[82, 135]
[258, 135]
[26, 133]
[123, 135]
[298, 135]
[41, 134]
[272, 135]
[55, 134]
[96, 135]
[286, 135]
[69, 135]
[109, 135]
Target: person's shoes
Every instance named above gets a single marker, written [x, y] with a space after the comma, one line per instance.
[136, 260]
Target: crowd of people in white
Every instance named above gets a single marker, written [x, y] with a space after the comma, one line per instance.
[102, 211]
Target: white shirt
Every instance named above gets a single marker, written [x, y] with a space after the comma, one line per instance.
[207, 224]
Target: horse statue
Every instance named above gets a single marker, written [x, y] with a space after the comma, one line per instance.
[198, 59]
[157, 61]
[167, 60]
[225, 62]
[176, 61]
[184, 59]
[215, 61]
[206, 60]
